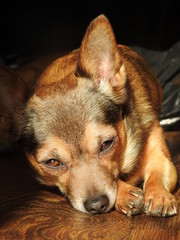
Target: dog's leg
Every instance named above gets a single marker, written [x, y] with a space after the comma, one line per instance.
[159, 176]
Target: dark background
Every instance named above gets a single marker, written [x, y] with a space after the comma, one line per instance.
[32, 28]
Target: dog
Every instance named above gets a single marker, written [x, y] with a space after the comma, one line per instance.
[91, 128]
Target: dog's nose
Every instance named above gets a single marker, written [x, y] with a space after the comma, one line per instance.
[97, 205]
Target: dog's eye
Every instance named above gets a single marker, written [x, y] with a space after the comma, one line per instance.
[53, 163]
[107, 145]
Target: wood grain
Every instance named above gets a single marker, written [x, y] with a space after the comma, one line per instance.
[31, 211]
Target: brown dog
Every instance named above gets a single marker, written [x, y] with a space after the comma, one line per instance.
[91, 128]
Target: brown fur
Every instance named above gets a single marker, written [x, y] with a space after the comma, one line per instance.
[12, 97]
[93, 121]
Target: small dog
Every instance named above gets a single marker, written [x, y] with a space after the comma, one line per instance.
[91, 128]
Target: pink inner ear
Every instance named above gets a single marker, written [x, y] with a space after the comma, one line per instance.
[102, 61]
[105, 69]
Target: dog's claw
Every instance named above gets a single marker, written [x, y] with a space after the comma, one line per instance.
[150, 205]
[131, 204]
[134, 193]
[124, 211]
[174, 205]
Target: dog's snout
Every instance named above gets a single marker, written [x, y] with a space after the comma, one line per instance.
[97, 205]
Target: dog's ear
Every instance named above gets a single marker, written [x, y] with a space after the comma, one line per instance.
[100, 60]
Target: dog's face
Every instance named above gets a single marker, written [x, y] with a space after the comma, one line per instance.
[74, 133]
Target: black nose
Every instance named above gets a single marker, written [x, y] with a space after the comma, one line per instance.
[97, 205]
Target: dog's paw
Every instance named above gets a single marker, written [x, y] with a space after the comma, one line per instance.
[160, 203]
[130, 201]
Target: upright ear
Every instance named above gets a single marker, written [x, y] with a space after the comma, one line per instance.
[100, 60]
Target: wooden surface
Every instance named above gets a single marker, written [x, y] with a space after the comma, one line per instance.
[31, 211]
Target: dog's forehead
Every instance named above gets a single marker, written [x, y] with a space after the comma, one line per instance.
[66, 115]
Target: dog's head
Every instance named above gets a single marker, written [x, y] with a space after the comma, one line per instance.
[74, 135]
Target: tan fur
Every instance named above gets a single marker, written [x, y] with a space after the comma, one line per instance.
[94, 113]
